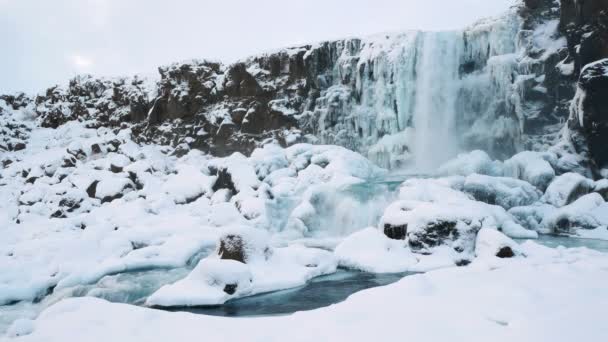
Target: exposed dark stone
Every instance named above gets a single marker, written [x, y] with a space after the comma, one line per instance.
[114, 145]
[95, 149]
[115, 169]
[230, 288]
[70, 203]
[395, 232]
[19, 146]
[224, 181]
[6, 163]
[533, 4]
[232, 248]
[505, 252]
[589, 117]
[69, 161]
[434, 234]
[462, 262]
[91, 189]
[138, 245]
[58, 214]
[133, 177]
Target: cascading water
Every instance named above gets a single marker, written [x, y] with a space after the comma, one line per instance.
[414, 100]
[435, 102]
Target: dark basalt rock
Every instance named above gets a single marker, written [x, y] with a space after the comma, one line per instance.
[505, 252]
[69, 161]
[460, 235]
[70, 203]
[58, 214]
[232, 248]
[95, 149]
[224, 181]
[589, 118]
[230, 288]
[115, 169]
[92, 189]
[19, 146]
[433, 235]
[395, 232]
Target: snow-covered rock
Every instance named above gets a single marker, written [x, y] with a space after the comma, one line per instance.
[492, 243]
[502, 191]
[567, 188]
[530, 167]
[589, 212]
[212, 282]
[371, 251]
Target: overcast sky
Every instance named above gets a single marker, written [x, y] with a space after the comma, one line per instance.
[44, 42]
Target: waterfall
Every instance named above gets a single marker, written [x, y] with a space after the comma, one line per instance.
[416, 99]
[437, 86]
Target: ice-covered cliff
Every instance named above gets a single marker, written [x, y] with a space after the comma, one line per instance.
[402, 99]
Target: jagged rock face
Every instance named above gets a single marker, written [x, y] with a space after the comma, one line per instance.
[588, 123]
[105, 102]
[412, 98]
[585, 24]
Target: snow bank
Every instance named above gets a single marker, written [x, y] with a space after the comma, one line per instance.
[244, 264]
[371, 251]
[521, 300]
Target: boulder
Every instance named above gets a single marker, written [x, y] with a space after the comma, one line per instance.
[244, 244]
[492, 243]
[502, 191]
[567, 188]
[587, 212]
[531, 167]
[458, 234]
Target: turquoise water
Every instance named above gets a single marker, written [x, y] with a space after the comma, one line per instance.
[320, 292]
[571, 242]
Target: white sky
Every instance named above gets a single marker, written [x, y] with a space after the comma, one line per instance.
[44, 42]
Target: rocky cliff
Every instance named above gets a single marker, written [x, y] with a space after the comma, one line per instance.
[502, 85]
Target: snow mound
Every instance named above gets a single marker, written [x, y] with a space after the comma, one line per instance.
[567, 188]
[212, 282]
[371, 251]
[531, 167]
[492, 243]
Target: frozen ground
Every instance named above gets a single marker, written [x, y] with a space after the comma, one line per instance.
[89, 213]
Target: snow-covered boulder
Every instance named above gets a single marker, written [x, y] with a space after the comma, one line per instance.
[212, 282]
[492, 243]
[588, 212]
[188, 184]
[531, 167]
[244, 244]
[567, 188]
[469, 163]
[601, 187]
[502, 191]
[435, 226]
[370, 251]
[532, 216]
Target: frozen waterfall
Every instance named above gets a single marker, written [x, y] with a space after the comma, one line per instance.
[435, 102]
[414, 100]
